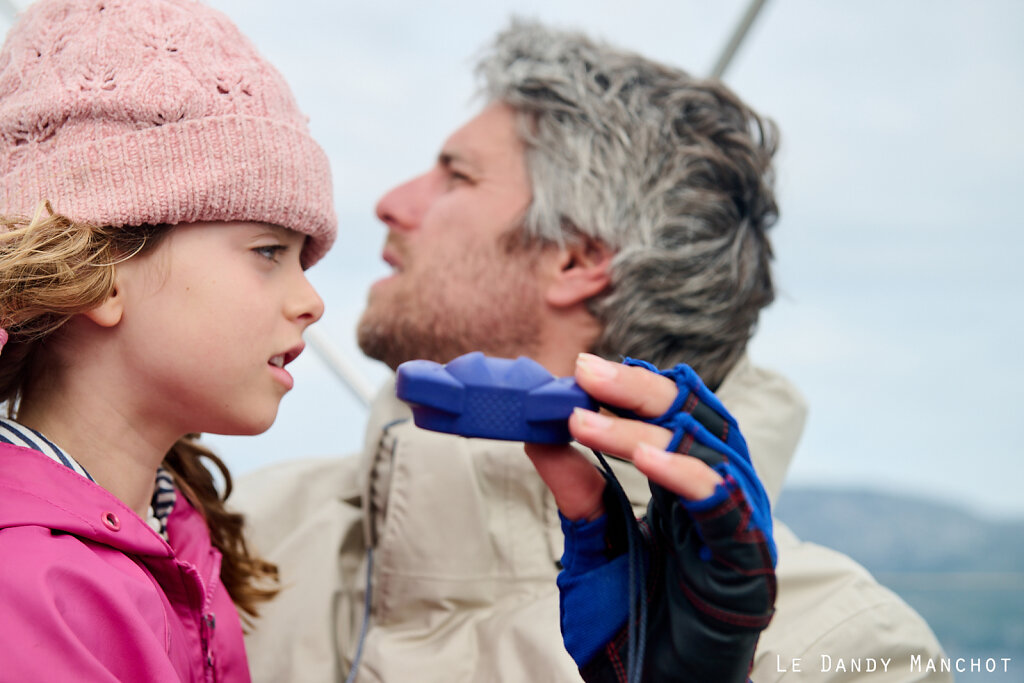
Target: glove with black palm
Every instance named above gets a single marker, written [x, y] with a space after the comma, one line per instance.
[709, 563]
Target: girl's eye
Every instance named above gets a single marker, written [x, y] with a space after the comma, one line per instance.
[271, 252]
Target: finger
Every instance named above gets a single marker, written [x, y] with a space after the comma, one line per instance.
[645, 393]
[616, 436]
[576, 485]
[684, 475]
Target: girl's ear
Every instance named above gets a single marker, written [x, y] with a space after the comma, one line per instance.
[584, 270]
[110, 312]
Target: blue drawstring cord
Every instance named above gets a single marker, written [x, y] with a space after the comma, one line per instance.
[366, 618]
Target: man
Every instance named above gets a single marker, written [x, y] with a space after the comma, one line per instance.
[599, 202]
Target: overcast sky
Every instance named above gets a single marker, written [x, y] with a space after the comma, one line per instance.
[899, 179]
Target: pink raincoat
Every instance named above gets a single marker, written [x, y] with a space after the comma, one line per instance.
[89, 592]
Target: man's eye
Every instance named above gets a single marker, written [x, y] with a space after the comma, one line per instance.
[271, 252]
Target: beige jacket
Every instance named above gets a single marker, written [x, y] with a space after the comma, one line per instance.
[465, 542]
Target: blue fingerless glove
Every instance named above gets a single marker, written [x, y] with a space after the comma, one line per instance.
[703, 428]
[710, 578]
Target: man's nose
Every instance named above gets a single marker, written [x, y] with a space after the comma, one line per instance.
[402, 207]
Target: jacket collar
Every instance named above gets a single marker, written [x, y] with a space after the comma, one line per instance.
[38, 491]
[770, 411]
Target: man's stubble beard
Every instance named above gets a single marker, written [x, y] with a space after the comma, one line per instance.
[494, 307]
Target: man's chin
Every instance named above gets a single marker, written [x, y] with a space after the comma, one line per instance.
[382, 340]
[374, 341]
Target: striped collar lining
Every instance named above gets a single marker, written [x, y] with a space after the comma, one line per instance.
[164, 495]
[19, 435]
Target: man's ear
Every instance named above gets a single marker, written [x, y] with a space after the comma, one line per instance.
[584, 270]
[110, 312]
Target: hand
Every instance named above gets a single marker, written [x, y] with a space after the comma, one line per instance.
[578, 487]
[707, 534]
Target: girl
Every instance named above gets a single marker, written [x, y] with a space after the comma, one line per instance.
[161, 198]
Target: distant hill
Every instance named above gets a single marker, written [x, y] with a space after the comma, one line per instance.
[964, 574]
[888, 533]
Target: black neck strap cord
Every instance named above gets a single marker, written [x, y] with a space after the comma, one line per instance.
[637, 627]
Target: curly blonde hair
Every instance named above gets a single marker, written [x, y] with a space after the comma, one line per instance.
[53, 268]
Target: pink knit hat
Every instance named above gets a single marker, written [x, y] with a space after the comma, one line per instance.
[127, 112]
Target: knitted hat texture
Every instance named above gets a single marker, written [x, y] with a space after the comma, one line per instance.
[130, 112]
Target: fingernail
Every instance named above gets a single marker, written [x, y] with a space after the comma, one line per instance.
[592, 420]
[596, 367]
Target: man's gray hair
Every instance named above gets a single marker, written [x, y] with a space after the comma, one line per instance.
[670, 171]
